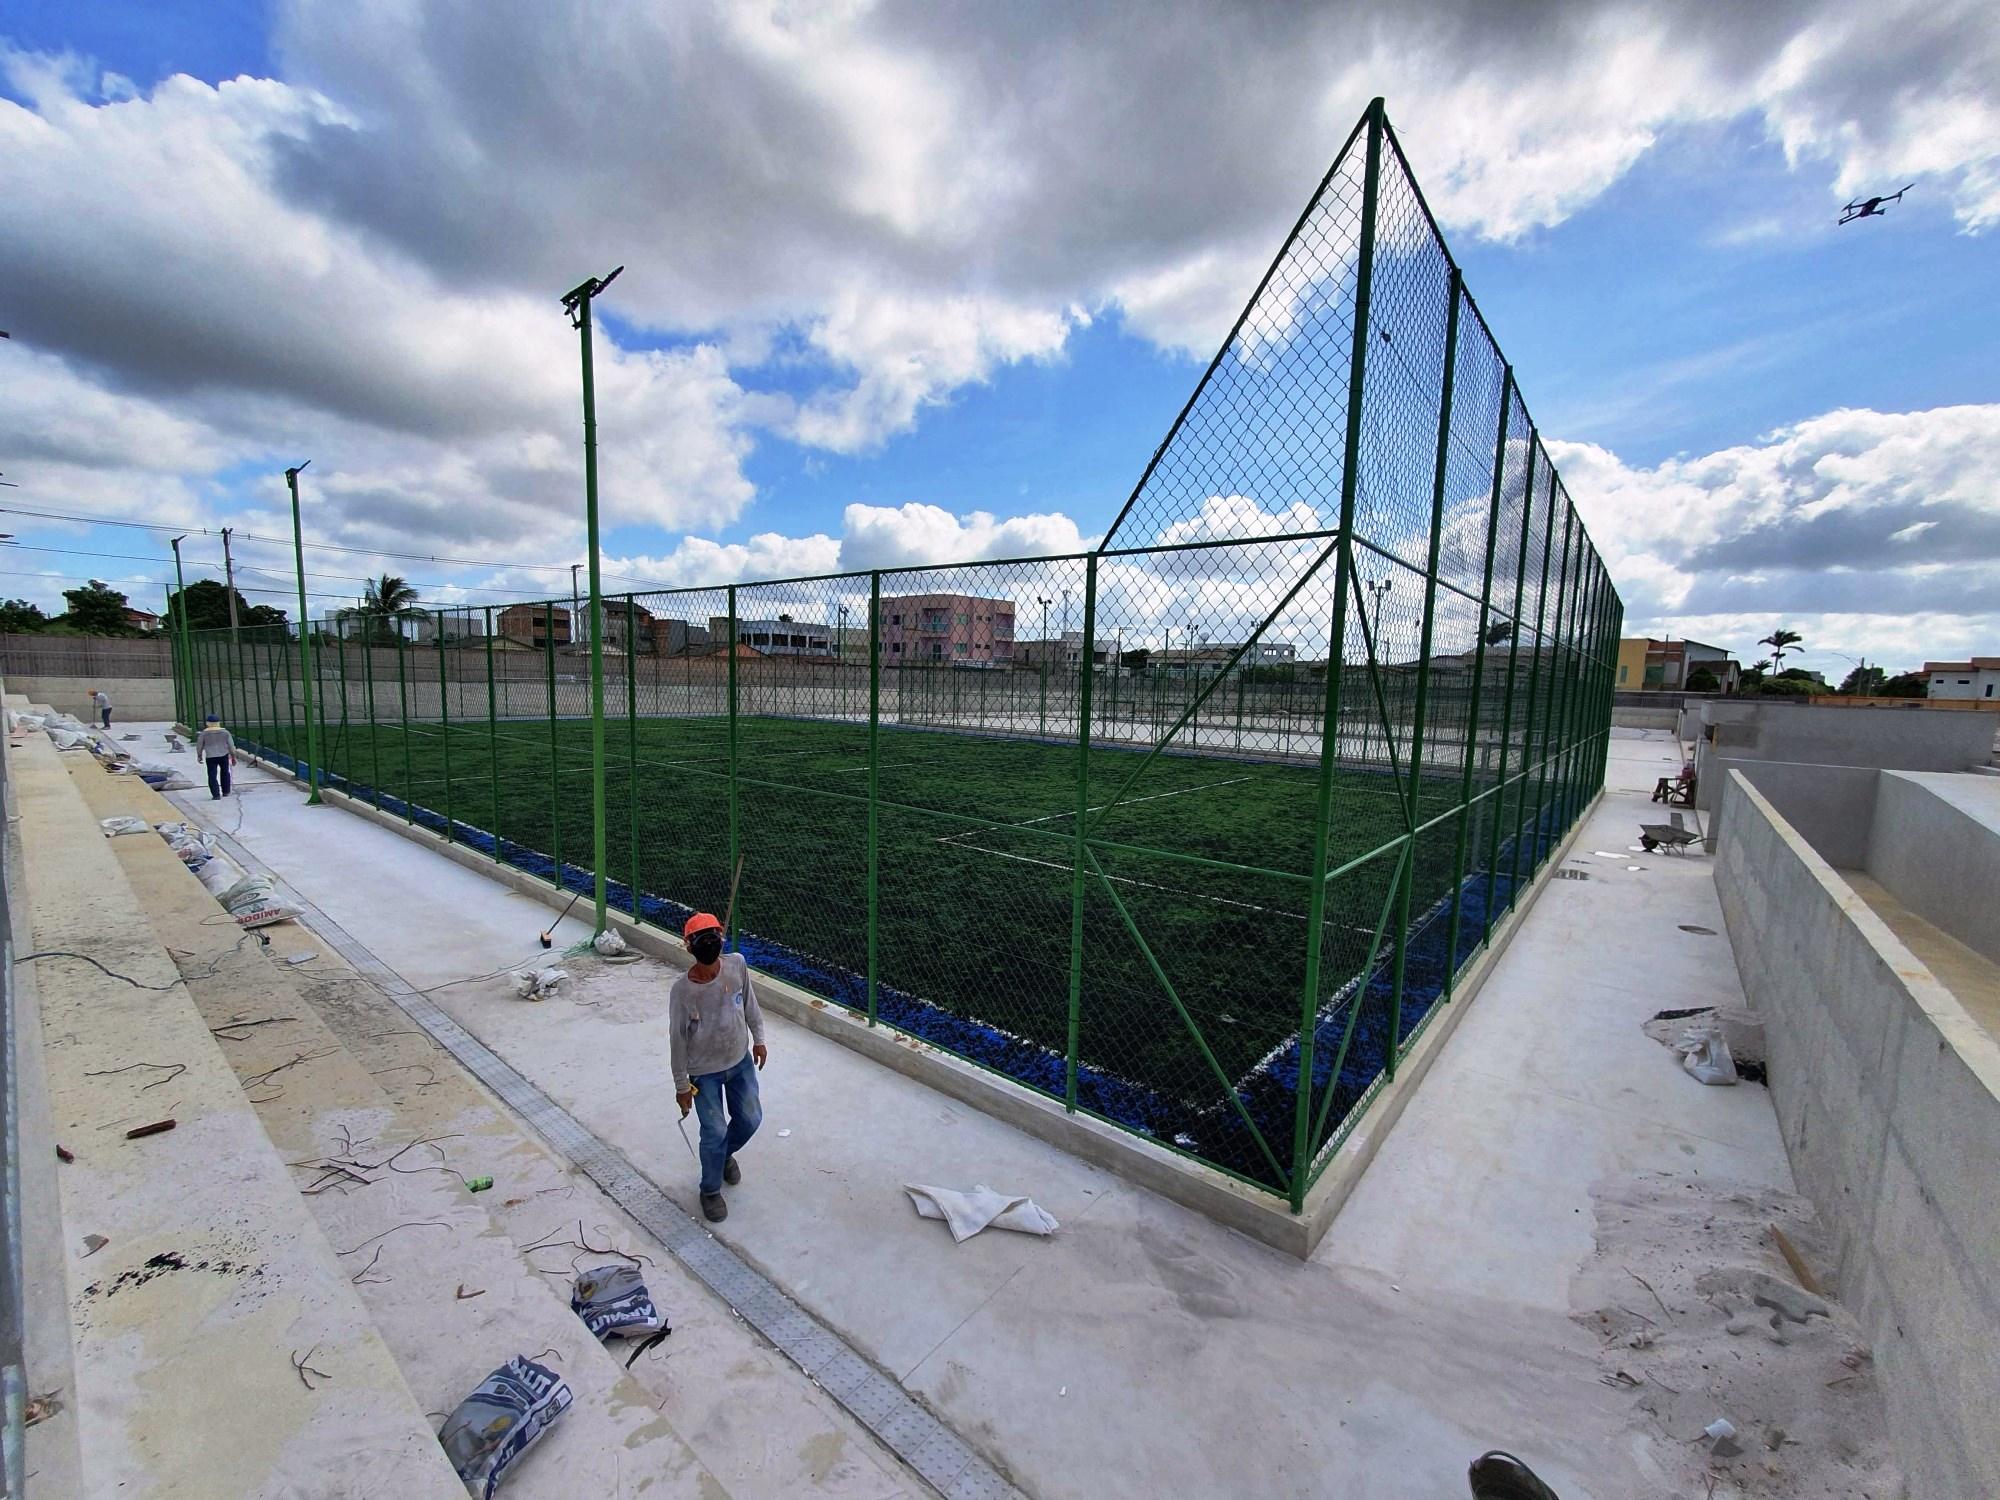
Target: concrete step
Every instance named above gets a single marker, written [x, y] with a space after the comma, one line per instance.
[211, 1286]
[452, 1292]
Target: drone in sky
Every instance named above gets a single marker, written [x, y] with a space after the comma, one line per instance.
[1871, 208]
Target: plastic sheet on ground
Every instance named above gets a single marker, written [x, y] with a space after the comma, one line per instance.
[967, 1213]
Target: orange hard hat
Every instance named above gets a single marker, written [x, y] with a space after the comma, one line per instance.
[701, 921]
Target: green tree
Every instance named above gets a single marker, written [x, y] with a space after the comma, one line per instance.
[1863, 682]
[19, 615]
[386, 603]
[208, 608]
[96, 609]
[1701, 680]
[1780, 641]
[1905, 685]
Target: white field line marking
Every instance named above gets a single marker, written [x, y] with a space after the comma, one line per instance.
[952, 838]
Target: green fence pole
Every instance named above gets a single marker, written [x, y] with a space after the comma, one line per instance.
[1558, 725]
[1329, 743]
[368, 701]
[1472, 745]
[444, 728]
[1499, 800]
[305, 641]
[555, 744]
[1537, 672]
[1080, 858]
[632, 739]
[493, 732]
[735, 825]
[286, 658]
[1417, 718]
[403, 713]
[874, 788]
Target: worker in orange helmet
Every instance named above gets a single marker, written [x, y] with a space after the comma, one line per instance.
[717, 1049]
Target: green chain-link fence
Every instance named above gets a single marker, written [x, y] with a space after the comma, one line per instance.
[1191, 832]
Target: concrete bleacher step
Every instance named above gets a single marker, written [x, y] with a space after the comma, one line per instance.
[196, 1280]
[451, 1290]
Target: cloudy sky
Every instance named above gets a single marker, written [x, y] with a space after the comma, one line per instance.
[923, 281]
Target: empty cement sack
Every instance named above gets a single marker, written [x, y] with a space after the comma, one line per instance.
[161, 778]
[501, 1420]
[613, 1300]
[114, 826]
[538, 984]
[966, 1213]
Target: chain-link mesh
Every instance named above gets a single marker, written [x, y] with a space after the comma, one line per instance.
[1193, 833]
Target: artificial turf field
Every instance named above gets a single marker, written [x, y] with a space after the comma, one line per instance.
[976, 843]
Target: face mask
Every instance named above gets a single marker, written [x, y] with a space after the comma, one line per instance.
[706, 946]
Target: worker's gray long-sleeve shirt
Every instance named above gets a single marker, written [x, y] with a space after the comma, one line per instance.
[712, 1024]
[213, 744]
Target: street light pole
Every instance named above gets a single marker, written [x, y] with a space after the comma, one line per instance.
[577, 303]
[305, 642]
[1044, 718]
[575, 631]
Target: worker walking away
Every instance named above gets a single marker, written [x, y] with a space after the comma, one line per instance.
[217, 748]
[101, 701]
[717, 1049]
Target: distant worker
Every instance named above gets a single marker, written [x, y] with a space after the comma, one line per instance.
[217, 748]
[102, 703]
[717, 1033]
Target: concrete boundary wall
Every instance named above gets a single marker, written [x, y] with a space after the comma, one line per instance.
[1935, 845]
[1888, 1097]
[133, 699]
[1830, 807]
[1262, 1216]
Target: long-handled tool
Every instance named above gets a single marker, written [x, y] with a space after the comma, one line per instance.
[548, 938]
[688, 1143]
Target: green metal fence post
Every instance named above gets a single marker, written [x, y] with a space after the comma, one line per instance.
[548, 609]
[1427, 637]
[1558, 726]
[286, 658]
[1500, 787]
[492, 731]
[1529, 741]
[305, 641]
[368, 699]
[1472, 728]
[1329, 743]
[1080, 858]
[444, 728]
[403, 712]
[874, 788]
[735, 814]
[632, 740]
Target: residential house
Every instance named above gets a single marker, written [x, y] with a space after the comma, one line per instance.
[534, 624]
[1646, 665]
[1978, 678]
[961, 629]
[779, 637]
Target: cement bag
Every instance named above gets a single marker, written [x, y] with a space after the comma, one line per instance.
[161, 778]
[68, 739]
[254, 902]
[613, 1300]
[217, 874]
[114, 826]
[26, 721]
[502, 1419]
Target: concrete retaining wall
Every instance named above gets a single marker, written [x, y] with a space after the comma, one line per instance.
[132, 698]
[1645, 718]
[1933, 845]
[1888, 1097]
[1898, 739]
[1830, 807]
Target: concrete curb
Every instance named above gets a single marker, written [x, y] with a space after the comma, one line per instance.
[1262, 1216]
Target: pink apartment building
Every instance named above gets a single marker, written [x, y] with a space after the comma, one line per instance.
[961, 629]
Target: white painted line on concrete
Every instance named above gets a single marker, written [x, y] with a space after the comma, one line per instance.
[952, 838]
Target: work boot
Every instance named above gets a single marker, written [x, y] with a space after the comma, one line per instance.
[713, 1208]
[731, 1173]
[1501, 1476]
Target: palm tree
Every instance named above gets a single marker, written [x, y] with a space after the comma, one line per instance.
[389, 599]
[1780, 641]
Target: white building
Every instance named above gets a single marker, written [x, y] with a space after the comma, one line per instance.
[1978, 678]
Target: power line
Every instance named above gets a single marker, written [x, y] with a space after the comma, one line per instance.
[124, 583]
[253, 568]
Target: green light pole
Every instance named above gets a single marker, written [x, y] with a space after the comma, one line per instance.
[305, 643]
[576, 303]
[181, 630]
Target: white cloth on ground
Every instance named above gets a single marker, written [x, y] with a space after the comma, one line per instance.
[966, 1213]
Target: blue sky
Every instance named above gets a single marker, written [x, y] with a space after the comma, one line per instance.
[867, 276]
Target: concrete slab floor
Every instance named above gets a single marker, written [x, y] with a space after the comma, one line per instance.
[1144, 1348]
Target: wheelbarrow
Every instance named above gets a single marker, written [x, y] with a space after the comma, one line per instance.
[1675, 837]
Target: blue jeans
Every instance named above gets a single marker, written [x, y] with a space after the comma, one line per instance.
[746, 1112]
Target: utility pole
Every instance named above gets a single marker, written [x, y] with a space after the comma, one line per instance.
[305, 642]
[576, 303]
[229, 574]
[181, 629]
